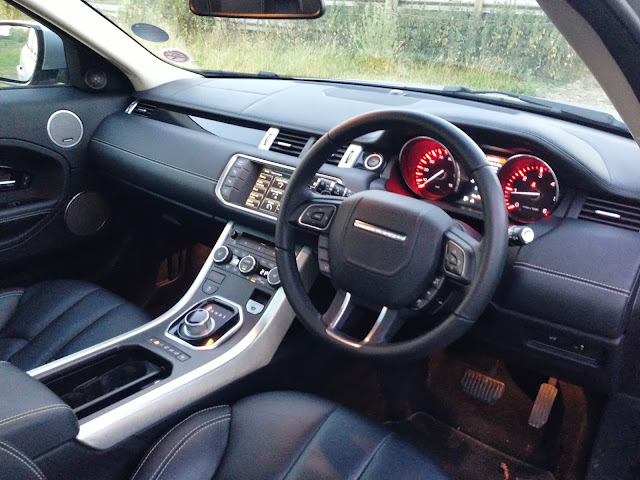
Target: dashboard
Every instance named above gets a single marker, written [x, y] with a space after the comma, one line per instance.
[207, 149]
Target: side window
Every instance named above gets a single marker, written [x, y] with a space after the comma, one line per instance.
[30, 53]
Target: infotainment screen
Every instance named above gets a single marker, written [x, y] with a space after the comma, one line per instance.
[267, 192]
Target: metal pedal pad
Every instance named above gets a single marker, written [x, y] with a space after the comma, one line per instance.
[481, 387]
[543, 404]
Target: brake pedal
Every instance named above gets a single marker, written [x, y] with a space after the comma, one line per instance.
[543, 404]
[482, 387]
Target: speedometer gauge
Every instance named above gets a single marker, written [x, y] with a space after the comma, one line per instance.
[428, 168]
[530, 188]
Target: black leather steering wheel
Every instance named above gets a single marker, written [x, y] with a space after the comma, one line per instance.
[392, 251]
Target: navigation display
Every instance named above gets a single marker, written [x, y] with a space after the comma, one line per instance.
[267, 192]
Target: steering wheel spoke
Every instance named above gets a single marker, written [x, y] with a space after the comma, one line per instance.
[385, 327]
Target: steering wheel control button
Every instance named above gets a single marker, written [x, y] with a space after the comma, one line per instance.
[247, 265]
[373, 161]
[454, 259]
[317, 217]
[222, 255]
[273, 277]
[323, 255]
[254, 308]
[209, 287]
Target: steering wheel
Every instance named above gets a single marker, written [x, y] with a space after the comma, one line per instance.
[392, 251]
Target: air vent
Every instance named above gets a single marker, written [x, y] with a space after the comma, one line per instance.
[611, 213]
[336, 156]
[140, 108]
[289, 142]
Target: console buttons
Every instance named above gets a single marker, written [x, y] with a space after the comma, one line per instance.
[226, 192]
[168, 348]
[373, 161]
[273, 277]
[254, 307]
[317, 216]
[247, 265]
[222, 254]
[209, 287]
[216, 277]
[454, 259]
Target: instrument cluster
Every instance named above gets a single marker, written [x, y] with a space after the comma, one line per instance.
[530, 186]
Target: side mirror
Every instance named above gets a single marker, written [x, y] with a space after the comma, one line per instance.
[288, 9]
[30, 54]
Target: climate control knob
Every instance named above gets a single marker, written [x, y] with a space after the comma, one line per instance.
[273, 277]
[222, 255]
[247, 265]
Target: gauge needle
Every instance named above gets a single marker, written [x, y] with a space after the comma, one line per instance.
[433, 177]
[528, 194]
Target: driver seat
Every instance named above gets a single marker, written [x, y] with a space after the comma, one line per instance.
[283, 435]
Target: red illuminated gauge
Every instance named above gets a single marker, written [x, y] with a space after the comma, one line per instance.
[428, 168]
[530, 188]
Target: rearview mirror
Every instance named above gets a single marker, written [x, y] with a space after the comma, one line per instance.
[288, 9]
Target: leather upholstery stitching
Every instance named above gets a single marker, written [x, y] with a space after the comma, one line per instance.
[179, 445]
[83, 329]
[308, 442]
[191, 435]
[24, 215]
[23, 459]
[375, 452]
[12, 294]
[169, 432]
[574, 278]
[33, 412]
[53, 320]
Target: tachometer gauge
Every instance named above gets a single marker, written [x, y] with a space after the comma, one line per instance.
[428, 168]
[530, 188]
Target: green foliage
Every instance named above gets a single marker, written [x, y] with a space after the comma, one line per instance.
[7, 12]
[504, 48]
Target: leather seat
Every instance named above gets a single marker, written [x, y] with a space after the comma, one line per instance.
[52, 319]
[283, 435]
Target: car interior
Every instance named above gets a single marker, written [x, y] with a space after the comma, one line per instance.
[210, 275]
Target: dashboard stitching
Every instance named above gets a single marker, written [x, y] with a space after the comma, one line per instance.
[574, 278]
[152, 160]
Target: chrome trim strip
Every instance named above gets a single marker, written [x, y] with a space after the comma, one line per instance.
[184, 301]
[350, 156]
[252, 352]
[606, 214]
[131, 107]
[264, 162]
[339, 316]
[268, 139]
[8, 182]
[383, 232]
[379, 320]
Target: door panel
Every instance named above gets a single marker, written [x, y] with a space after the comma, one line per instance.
[47, 176]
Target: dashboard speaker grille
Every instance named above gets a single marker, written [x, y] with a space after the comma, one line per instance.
[611, 212]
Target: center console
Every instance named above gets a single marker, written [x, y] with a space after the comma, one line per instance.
[229, 324]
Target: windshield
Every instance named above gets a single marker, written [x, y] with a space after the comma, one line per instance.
[490, 45]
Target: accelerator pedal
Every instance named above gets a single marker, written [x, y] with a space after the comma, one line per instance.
[482, 387]
[543, 404]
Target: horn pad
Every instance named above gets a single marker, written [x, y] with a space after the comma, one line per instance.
[386, 248]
